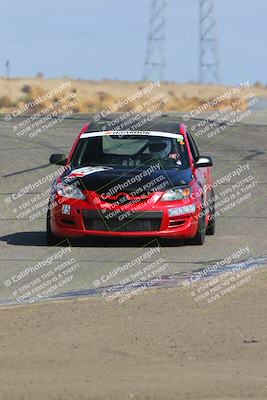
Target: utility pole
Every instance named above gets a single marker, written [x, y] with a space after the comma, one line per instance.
[155, 52]
[208, 59]
[7, 69]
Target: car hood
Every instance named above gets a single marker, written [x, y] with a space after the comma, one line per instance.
[103, 179]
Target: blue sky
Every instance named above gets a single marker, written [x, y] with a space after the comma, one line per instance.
[98, 39]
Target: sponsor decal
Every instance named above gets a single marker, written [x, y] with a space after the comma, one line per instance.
[80, 172]
[66, 209]
[177, 136]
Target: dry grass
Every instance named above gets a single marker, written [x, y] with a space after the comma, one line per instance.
[93, 96]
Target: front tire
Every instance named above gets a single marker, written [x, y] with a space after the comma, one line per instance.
[211, 224]
[199, 238]
[51, 239]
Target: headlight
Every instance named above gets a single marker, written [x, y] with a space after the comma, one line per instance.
[178, 193]
[174, 212]
[69, 191]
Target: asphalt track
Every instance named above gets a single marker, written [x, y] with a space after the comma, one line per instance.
[25, 161]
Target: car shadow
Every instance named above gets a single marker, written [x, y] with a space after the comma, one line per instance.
[25, 239]
[38, 238]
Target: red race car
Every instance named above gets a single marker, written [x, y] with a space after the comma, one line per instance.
[150, 182]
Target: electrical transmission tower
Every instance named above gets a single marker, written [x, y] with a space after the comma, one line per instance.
[208, 60]
[155, 53]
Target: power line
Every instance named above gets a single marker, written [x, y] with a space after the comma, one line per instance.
[155, 52]
[208, 58]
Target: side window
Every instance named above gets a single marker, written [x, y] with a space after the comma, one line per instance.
[193, 146]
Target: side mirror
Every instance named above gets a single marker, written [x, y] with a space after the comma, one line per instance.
[203, 162]
[58, 159]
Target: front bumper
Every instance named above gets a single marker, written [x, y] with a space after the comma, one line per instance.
[149, 222]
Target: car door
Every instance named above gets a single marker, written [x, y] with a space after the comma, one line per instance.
[203, 175]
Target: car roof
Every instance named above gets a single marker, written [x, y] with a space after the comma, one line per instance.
[164, 123]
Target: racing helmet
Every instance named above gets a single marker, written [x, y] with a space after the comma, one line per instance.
[160, 148]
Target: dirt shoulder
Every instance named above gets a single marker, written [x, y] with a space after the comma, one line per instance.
[158, 345]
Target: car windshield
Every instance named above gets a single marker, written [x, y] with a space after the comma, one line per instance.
[131, 150]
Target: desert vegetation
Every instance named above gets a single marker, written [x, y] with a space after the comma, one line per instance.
[94, 96]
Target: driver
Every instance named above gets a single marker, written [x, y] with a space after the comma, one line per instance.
[163, 149]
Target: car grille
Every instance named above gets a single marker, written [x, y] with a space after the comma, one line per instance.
[148, 222]
[123, 200]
